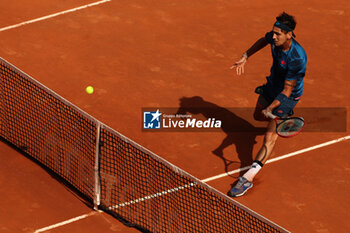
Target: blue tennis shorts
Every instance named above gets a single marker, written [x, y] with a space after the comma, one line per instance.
[286, 107]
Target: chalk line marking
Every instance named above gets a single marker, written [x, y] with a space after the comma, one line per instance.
[152, 196]
[280, 157]
[53, 15]
[229, 173]
[66, 222]
[193, 184]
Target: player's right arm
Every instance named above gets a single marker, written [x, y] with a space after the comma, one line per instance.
[239, 65]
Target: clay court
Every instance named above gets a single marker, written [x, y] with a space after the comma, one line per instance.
[151, 54]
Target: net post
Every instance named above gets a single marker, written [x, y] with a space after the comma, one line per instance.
[97, 192]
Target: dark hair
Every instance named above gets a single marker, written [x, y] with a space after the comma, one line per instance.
[286, 19]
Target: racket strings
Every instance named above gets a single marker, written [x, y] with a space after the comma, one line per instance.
[290, 126]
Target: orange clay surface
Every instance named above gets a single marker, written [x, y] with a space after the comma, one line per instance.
[153, 53]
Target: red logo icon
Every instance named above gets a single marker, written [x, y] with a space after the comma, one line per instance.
[283, 62]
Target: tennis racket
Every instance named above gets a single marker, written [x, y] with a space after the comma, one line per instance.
[288, 126]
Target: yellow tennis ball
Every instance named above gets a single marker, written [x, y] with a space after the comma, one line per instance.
[89, 90]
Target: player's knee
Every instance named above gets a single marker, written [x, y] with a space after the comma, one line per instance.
[270, 138]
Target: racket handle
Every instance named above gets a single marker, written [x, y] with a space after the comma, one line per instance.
[269, 114]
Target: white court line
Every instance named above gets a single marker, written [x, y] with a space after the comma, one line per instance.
[53, 15]
[152, 196]
[280, 157]
[192, 184]
[66, 222]
[230, 173]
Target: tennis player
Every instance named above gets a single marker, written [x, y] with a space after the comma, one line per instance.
[279, 94]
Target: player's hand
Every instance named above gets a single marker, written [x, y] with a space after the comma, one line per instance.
[266, 111]
[239, 65]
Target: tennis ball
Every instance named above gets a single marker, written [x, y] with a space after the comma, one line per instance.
[89, 89]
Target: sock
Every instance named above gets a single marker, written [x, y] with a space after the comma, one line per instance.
[253, 170]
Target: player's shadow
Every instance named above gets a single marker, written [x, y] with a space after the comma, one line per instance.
[239, 132]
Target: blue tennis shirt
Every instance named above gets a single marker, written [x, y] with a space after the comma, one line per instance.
[287, 65]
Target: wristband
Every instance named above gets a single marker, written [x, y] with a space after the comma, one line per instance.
[281, 97]
[245, 55]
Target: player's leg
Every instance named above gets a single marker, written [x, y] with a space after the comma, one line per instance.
[261, 104]
[285, 109]
[270, 139]
[264, 153]
[245, 182]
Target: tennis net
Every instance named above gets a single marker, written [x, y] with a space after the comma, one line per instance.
[111, 171]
